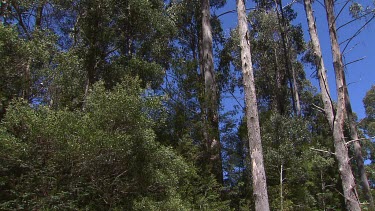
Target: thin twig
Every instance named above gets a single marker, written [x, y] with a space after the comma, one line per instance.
[351, 21]
[350, 49]
[356, 34]
[320, 150]
[357, 60]
[342, 8]
[233, 11]
[318, 108]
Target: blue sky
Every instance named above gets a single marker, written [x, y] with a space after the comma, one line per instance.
[360, 76]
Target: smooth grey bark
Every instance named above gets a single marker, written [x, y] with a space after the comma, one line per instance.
[319, 62]
[341, 150]
[328, 107]
[281, 188]
[255, 144]
[211, 95]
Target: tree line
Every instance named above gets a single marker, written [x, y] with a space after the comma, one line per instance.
[119, 105]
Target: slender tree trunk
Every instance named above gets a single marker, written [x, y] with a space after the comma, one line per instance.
[341, 150]
[358, 153]
[323, 185]
[295, 92]
[280, 89]
[211, 94]
[281, 188]
[329, 111]
[255, 144]
[288, 61]
[322, 75]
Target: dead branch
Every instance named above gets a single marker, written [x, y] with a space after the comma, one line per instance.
[351, 141]
[357, 60]
[320, 150]
[356, 34]
[318, 108]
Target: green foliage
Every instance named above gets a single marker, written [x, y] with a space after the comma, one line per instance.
[85, 126]
[368, 123]
[305, 174]
[103, 158]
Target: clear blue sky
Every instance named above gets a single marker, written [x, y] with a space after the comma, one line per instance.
[360, 75]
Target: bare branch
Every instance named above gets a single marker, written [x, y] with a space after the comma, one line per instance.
[321, 3]
[350, 49]
[356, 34]
[360, 139]
[318, 108]
[342, 8]
[233, 11]
[357, 60]
[237, 100]
[349, 22]
[320, 150]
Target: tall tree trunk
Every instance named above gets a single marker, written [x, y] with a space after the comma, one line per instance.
[322, 75]
[281, 188]
[288, 61]
[255, 144]
[341, 150]
[281, 92]
[328, 108]
[211, 94]
[358, 153]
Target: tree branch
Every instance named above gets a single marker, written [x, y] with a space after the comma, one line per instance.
[357, 60]
[318, 108]
[349, 22]
[233, 11]
[356, 34]
[320, 150]
[351, 141]
[342, 8]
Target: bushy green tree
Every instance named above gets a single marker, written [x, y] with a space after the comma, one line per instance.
[103, 158]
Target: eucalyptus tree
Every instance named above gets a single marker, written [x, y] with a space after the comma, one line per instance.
[327, 101]
[191, 81]
[255, 145]
[341, 150]
[211, 109]
[368, 123]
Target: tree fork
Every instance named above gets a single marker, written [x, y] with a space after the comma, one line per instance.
[341, 151]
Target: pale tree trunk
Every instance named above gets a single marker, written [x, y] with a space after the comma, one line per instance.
[255, 144]
[341, 150]
[322, 75]
[281, 188]
[328, 107]
[211, 95]
[295, 92]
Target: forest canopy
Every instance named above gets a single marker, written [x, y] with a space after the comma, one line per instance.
[123, 105]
